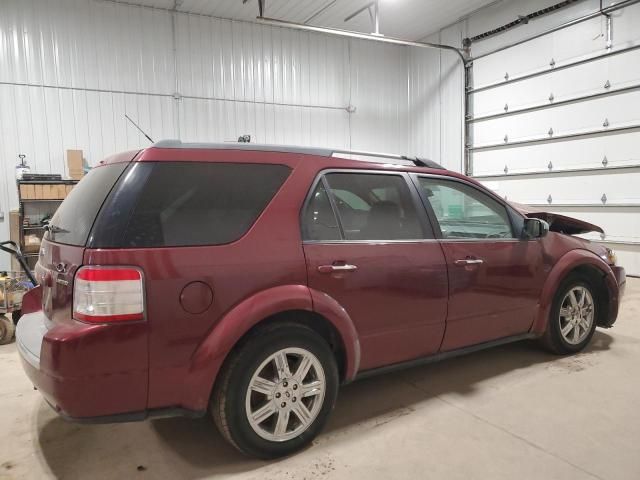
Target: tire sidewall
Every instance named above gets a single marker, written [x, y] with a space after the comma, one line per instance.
[554, 317]
[249, 359]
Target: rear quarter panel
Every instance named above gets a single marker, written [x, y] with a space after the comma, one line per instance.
[182, 361]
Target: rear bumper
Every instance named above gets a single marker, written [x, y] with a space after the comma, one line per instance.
[82, 370]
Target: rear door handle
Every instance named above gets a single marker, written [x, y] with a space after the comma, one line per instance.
[469, 261]
[337, 268]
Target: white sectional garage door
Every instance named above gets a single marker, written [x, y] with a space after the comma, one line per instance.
[555, 123]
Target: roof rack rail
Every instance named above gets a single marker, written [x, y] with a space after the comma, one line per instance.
[418, 162]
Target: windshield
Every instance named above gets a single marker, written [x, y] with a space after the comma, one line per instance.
[73, 220]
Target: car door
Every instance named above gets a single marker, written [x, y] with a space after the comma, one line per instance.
[369, 246]
[495, 276]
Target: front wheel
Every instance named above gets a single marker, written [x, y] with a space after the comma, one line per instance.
[572, 320]
[276, 391]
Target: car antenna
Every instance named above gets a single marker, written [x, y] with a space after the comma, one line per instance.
[141, 131]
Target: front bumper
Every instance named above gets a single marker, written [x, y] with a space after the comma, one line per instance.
[621, 279]
[83, 370]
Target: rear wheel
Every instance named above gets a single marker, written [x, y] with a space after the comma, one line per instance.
[7, 330]
[276, 391]
[572, 320]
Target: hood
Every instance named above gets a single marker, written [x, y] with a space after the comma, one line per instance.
[558, 223]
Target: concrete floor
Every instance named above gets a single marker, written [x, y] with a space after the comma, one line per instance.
[511, 412]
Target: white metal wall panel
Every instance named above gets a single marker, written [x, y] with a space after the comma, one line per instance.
[71, 69]
[424, 103]
[436, 80]
[379, 95]
[604, 151]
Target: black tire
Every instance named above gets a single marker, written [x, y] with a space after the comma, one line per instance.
[553, 340]
[230, 392]
[7, 330]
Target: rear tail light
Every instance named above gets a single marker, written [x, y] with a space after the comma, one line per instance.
[108, 294]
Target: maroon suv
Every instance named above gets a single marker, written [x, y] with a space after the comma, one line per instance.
[251, 281]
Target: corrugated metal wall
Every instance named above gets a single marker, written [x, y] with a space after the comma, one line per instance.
[71, 69]
[569, 175]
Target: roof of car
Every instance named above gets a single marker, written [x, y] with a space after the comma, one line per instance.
[322, 152]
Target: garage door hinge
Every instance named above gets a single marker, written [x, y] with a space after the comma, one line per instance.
[605, 161]
[506, 139]
[550, 132]
[549, 199]
[506, 107]
[506, 76]
[506, 169]
[605, 124]
[552, 63]
[551, 97]
[550, 166]
[607, 85]
[603, 198]
[176, 96]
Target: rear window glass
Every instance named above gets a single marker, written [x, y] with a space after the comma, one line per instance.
[188, 203]
[74, 218]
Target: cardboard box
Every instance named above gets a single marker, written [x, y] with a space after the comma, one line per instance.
[75, 162]
[39, 194]
[14, 234]
[61, 191]
[68, 189]
[48, 191]
[27, 192]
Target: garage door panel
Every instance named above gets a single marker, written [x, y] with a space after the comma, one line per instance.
[564, 119]
[620, 71]
[620, 150]
[620, 187]
[513, 61]
[561, 46]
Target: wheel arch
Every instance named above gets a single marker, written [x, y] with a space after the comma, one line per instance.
[591, 266]
[278, 304]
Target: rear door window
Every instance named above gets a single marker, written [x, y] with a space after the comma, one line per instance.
[374, 206]
[74, 218]
[200, 203]
[319, 222]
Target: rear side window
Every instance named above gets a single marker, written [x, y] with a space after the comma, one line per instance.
[375, 206]
[73, 220]
[370, 206]
[189, 203]
[319, 222]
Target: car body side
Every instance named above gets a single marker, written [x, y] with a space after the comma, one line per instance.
[172, 359]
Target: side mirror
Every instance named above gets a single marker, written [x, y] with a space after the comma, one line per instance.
[534, 228]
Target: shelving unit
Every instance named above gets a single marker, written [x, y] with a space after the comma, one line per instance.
[39, 200]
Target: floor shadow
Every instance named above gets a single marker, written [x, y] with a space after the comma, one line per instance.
[185, 448]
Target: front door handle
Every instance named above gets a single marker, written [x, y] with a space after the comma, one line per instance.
[469, 261]
[337, 268]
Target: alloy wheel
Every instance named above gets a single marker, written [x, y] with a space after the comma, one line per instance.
[285, 394]
[576, 315]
